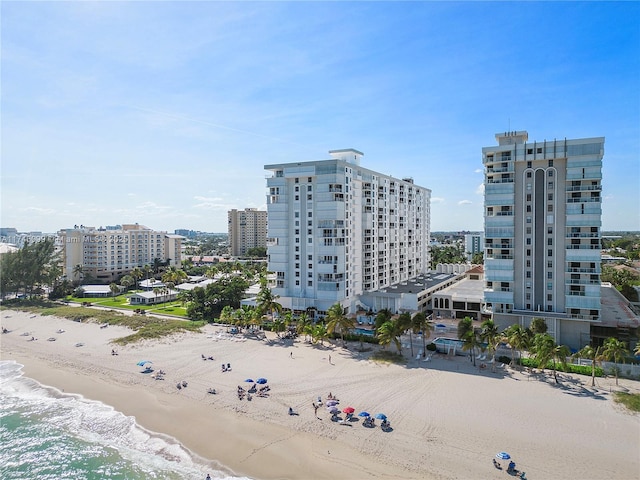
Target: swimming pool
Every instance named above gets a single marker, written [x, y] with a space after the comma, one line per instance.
[362, 331]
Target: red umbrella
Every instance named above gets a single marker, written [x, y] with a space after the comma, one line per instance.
[349, 410]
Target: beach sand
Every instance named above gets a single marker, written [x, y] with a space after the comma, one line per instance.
[448, 418]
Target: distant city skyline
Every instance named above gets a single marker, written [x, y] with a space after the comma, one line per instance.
[164, 113]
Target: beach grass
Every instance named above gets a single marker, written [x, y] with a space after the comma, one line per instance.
[629, 400]
[385, 356]
[145, 327]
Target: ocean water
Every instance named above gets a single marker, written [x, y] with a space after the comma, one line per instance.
[47, 434]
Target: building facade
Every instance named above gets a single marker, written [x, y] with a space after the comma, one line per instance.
[337, 230]
[106, 255]
[542, 220]
[247, 229]
[473, 243]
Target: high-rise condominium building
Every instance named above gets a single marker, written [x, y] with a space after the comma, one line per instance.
[542, 220]
[337, 230]
[107, 254]
[247, 229]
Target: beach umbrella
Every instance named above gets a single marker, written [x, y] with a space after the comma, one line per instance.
[349, 410]
[331, 403]
[143, 363]
[249, 380]
[333, 409]
[381, 416]
[364, 414]
[261, 380]
[503, 456]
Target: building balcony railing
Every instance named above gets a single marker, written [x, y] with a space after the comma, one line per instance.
[583, 247]
[584, 188]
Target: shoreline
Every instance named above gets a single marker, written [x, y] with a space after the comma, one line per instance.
[448, 418]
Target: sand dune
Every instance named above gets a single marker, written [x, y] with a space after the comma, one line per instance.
[448, 418]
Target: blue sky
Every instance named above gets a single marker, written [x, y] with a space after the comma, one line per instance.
[165, 113]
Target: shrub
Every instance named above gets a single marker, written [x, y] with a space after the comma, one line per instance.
[432, 347]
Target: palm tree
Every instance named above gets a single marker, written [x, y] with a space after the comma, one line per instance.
[147, 271]
[490, 334]
[545, 349]
[157, 291]
[278, 326]
[266, 300]
[387, 333]
[127, 281]
[403, 324]
[319, 333]
[226, 315]
[78, 271]
[468, 335]
[114, 289]
[518, 338]
[336, 320]
[137, 274]
[616, 350]
[301, 324]
[592, 354]
[383, 316]
[419, 323]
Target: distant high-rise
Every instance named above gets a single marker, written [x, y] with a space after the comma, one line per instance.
[542, 220]
[337, 230]
[106, 255]
[247, 229]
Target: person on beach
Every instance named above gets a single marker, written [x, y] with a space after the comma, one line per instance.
[290, 354]
[208, 477]
[329, 358]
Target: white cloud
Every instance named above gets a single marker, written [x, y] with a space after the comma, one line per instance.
[480, 189]
[437, 200]
[465, 202]
[478, 170]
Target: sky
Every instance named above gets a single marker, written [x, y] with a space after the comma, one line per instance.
[165, 113]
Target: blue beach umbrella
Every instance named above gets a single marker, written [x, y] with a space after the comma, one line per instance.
[261, 381]
[381, 416]
[503, 456]
[249, 380]
[364, 414]
[143, 363]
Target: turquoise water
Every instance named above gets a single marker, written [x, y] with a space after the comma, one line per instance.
[49, 435]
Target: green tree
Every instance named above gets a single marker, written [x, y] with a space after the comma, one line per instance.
[127, 281]
[382, 316]
[337, 321]
[266, 300]
[546, 350]
[78, 272]
[136, 274]
[419, 323]
[301, 324]
[538, 325]
[592, 354]
[489, 333]
[388, 332]
[467, 333]
[114, 289]
[404, 323]
[519, 338]
[614, 349]
[319, 333]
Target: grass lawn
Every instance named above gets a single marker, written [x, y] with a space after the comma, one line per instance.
[122, 301]
[629, 400]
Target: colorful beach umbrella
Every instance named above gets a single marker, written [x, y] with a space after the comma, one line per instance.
[503, 456]
[333, 409]
[143, 363]
[332, 402]
[261, 381]
[364, 414]
[249, 380]
[381, 416]
[349, 410]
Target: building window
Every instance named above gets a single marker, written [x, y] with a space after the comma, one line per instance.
[309, 188]
[297, 231]
[539, 150]
[297, 257]
[310, 283]
[550, 275]
[310, 214]
[297, 189]
[297, 197]
[310, 257]
[550, 196]
[549, 241]
[297, 264]
[297, 274]
[297, 180]
[309, 197]
[528, 208]
[528, 219]
[528, 174]
[549, 230]
[310, 239]
[549, 297]
[550, 252]
[297, 248]
[309, 180]
[529, 151]
[297, 283]
[549, 264]
[528, 197]
[549, 173]
[296, 214]
[551, 163]
[528, 252]
[528, 241]
[528, 274]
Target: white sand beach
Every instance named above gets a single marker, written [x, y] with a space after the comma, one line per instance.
[448, 418]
